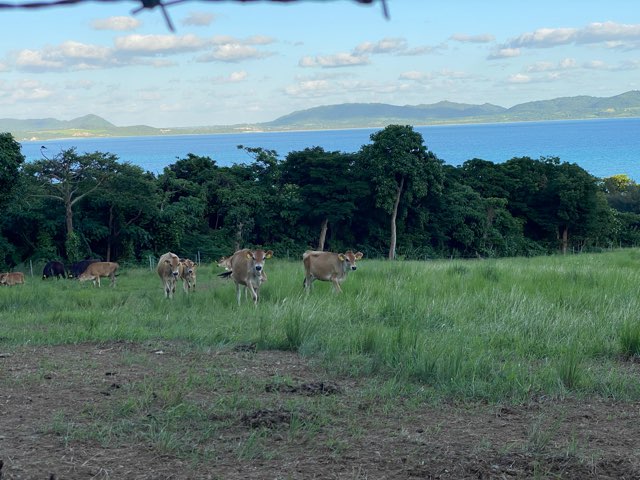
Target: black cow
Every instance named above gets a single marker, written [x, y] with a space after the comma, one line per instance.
[78, 268]
[53, 269]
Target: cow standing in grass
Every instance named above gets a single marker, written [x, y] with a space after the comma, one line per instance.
[53, 269]
[168, 270]
[247, 269]
[76, 268]
[328, 267]
[96, 270]
[187, 272]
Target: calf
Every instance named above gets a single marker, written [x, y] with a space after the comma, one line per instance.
[12, 278]
[168, 270]
[247, 269]
[328, 267]
[53, 269]
[187, 272]
[96, 270]
[77, 268]
[225, 262]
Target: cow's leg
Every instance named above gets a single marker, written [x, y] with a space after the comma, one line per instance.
[308, 282]
[238, 293]
[254, 293]
[336, 284]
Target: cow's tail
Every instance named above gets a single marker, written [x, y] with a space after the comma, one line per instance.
[225, 274]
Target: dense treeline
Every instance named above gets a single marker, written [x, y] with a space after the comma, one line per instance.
[392, 198]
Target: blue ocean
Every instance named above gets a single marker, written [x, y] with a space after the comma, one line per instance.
[602, 147]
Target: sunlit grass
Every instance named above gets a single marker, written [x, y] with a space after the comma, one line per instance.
[497, 330]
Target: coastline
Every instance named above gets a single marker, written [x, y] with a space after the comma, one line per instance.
[223, 130]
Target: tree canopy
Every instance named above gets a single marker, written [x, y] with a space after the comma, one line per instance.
[391, 198]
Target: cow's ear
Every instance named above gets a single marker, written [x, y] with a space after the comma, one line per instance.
[249, 255]
[359, 255]
[269, 254]
[341, 257]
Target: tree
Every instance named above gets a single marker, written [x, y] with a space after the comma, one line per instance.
[401, 170]
[10, 160]
[326, 185]
[123, 208]
[68, 178]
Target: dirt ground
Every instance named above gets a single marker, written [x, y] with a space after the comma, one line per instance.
[273, 415]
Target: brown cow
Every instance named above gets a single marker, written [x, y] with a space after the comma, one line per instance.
[328, 267]
[96, 270]
[247, 268]
[187, 272]
[12, 278]
[168, 269]
[225, 262]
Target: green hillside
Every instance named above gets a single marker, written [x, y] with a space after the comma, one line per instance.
[348, 115]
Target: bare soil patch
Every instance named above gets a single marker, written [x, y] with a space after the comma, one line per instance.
[129, 411]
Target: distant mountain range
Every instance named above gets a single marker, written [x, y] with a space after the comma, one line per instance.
[349, 115]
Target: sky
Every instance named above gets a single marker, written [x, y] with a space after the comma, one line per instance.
[230, 62]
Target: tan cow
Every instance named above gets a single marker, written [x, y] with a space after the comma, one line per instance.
[225, 262]
[187, 272]
[247, 268]
[96, 270]
[328, 267]
[12, 278]
[168, 269]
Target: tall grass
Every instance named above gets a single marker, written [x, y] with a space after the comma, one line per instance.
[497, 330]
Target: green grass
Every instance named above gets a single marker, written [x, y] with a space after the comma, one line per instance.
[494, 330]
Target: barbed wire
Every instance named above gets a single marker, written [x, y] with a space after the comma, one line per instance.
[151, 4]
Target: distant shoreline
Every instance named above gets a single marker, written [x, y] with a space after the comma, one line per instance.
[230, 131]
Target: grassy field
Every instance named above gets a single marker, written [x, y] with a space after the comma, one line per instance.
[492, 330]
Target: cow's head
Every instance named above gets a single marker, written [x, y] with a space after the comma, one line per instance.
[349, 259]
[225, 262]
[3, 278]
[189, 266]
[258, 257]
[174, 264]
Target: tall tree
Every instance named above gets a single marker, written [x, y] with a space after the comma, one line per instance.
[401, 169]
[124, 207]
[10, 160]
[68, 178]
[326, 185]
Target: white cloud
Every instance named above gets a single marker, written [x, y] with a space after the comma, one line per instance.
[36, 61]
[69, 55]
[233, 77]
[334, 61]
[24, 91]
[233, 52]
[595, 65]
[609, 34]
[482, 38]
[420, 77]
[519, 78]
[564, 64]
[116, 23]
[163, 44]
[198, 19]
[386, 45]
[504, 53]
